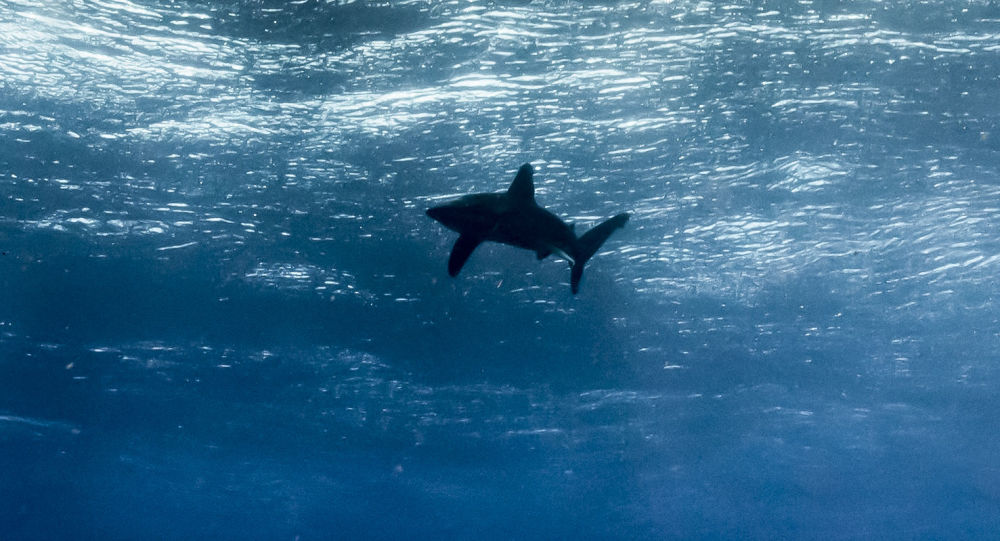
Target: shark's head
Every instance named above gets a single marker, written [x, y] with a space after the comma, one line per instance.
[472, 215]
[448, 215]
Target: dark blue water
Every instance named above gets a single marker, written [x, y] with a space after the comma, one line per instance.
[224, 314]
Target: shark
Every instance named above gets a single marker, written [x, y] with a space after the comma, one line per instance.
[514, 218]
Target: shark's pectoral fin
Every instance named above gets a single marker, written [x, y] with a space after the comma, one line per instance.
[460, 253]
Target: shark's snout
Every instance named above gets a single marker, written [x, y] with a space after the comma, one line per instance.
[453, 217]
[443, 214]
[435, 213]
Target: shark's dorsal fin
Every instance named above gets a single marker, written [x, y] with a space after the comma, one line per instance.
[523, 187]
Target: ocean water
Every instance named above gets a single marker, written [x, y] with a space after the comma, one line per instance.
[224, 314]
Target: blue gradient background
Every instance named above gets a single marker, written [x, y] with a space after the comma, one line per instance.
[224, 314]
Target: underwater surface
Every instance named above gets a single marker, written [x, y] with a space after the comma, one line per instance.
[225, 315]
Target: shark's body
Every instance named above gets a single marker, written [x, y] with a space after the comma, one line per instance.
[513, 218]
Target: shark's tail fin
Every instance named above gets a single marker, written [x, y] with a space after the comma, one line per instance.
[589, 243]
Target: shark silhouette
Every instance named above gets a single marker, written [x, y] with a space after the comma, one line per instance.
[513, 218]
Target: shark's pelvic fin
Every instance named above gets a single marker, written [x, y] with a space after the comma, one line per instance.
[589, 243]
[523, 188]
[460, 253]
